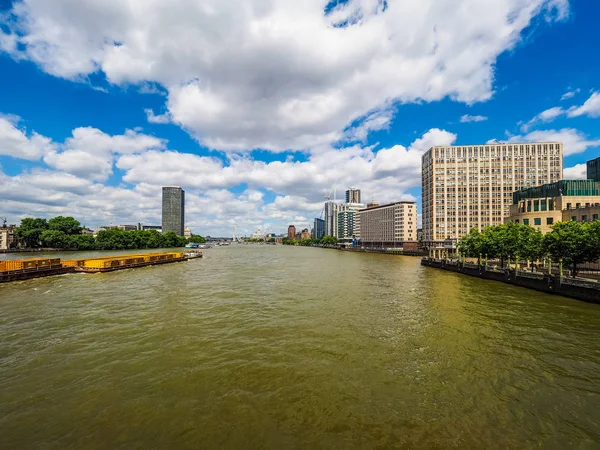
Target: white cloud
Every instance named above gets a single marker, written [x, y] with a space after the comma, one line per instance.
[544, 117]
[590, 108]
[577, 172]
[570, 94]
[279, 74]
[16, 143]
[468, 118]
[574, 140]
[89, 153]
[161, 118]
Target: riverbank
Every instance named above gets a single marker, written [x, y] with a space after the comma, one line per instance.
[551, 284]
[384, 251]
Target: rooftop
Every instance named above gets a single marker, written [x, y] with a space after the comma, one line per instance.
[562, 188]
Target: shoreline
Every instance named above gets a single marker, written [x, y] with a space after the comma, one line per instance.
[550, 284]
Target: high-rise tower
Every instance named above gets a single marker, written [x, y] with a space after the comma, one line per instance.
[173, 209]
[353, 195]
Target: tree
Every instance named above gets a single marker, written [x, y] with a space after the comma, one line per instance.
[67, 225]
[54, 239]
[329, 240]
[569, 242]
[81, 242]
[196, 239]
[531, 243]
[29, 232]
[472, 244]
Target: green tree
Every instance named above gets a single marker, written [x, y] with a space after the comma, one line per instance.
[531, 243]
[29, 232]
[81, 242]
[54, 239]
[329, 240]
[196, 239]
[472, 244]
[569, 242]
[68, 225]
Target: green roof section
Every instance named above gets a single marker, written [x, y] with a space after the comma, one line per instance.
[567, 188]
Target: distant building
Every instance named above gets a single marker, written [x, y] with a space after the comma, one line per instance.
[346, 223]
[593, 169]
[565, 200]
[305, 234]
[127, 227]
[373, 204]
[87, 231]
[291, 232]
[141, 226]
[173, 209]
[258, 234]
[187, 233]
[298, 236]
[389, 226]
[7, 237]
[353, 195]
[467, 187]
[331, 210]
[318, 229]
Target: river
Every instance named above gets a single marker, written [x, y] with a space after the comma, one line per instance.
[271, 347]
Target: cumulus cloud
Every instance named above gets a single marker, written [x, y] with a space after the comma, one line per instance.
[15, 141]
[278, 74]
[577, 172]
[590, 108]
[90, 153]
[468, 118]
[574, 140]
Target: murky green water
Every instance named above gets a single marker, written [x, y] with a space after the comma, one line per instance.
[261, 347]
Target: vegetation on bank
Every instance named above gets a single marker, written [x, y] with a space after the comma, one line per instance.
[573, 243]
[326, 240]
[65, 233]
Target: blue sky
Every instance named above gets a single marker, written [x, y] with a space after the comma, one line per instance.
[259, 108]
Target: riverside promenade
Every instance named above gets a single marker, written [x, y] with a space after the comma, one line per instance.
[587, 291]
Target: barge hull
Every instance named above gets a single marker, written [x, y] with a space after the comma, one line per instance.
[127, 266]
[21, 275]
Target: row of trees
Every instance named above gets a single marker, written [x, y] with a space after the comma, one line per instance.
[573, 243]
[65, 233]
[326, 240]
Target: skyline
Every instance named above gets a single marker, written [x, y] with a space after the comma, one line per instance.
[95, 119]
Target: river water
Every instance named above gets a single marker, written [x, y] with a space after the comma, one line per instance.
[264, 347]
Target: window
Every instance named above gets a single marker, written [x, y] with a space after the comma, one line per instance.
[537, 221]
[536, 205]
[543, 206]
[595, 217]
[525, 221]
[568, 206]
[529, 206]
[516, 220]
[584, 218]
[549, 220]
[574, 218]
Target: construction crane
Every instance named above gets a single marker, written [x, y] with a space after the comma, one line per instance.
[3, 219]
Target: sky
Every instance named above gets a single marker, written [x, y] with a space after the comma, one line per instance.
[261, 108]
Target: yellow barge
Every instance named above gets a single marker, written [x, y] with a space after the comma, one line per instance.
[24, 269]
[111, 263]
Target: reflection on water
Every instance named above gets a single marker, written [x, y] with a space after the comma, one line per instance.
[273, 347]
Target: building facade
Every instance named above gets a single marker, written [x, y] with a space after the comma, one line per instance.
[291, 232]
[330, 215]
[319, 229]
[305, 234]
[543, 206]
[347, 225]
[468, 187]
[7, 237]
[593, 169]
[353, 195]
[173, 209]
[388, 226]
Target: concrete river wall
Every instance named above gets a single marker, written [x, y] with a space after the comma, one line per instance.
[573, 288]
